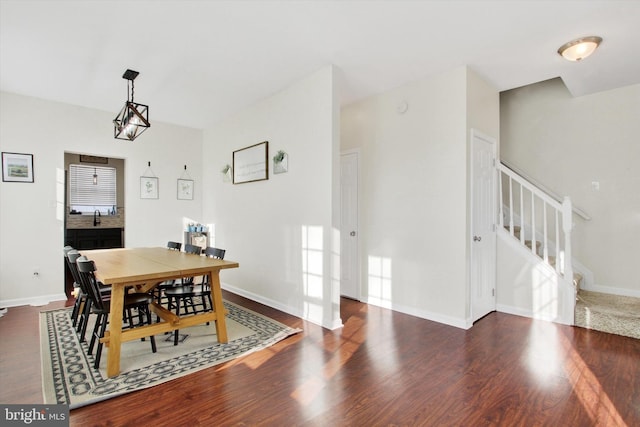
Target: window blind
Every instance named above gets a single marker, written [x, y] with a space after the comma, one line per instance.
[82, 190]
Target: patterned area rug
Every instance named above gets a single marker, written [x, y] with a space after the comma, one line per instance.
[614, 314]
[69, 377]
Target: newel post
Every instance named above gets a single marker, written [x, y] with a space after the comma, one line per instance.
[570, 295]
[567, 225]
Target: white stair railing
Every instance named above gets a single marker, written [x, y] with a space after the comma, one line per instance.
[534, 216]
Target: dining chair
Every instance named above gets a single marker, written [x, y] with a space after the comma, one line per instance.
[77, 306]
[192, 249]
[191, 295]
[82, 306]
[175, 246]
[101, 307]
[158, 290]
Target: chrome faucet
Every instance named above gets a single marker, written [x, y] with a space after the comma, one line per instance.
[96, 218]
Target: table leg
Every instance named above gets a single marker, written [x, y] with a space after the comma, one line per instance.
[218, 306]
[115, 330]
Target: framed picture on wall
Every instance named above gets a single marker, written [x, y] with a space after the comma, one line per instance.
[185, 189]
[93, 159]
[250, 163]
[148, 187]
[17, 167]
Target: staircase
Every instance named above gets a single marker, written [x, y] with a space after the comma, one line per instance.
[577, 277]
[542, 225]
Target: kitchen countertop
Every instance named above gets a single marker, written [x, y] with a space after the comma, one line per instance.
[86, 220]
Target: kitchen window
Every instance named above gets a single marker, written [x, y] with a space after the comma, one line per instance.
[88, 194]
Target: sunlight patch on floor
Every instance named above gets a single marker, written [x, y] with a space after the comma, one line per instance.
[588, 390]
[312, 389]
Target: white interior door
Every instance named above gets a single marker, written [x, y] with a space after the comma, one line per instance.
[483, 231]
[349, 273]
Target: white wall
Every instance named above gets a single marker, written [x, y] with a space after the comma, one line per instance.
[31, 221]
[413, 218]
[567, 143]
[262, 224]
[527, 286]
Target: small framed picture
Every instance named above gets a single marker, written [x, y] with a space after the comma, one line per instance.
[148, 187]
[185, 189]
[17, 167]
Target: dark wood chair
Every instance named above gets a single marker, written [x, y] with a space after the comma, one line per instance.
[82, 306]
[101, 306]
[176, 246]
[76, 284]
[192, 249]
[158, 290]
[193, 296]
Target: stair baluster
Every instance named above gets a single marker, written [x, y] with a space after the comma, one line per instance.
[534, 247]
[533, 225]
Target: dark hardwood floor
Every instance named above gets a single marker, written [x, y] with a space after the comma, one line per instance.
[382, 368]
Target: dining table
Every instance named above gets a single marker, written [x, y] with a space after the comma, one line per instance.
[141, 270]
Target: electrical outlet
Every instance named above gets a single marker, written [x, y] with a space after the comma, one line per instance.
[36, 273]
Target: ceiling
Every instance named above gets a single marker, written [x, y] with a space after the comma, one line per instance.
[202, 61]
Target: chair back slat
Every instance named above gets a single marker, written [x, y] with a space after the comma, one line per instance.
[192, 249]
[86, 269]
[215, 252]
[71, 257]
[176, 246]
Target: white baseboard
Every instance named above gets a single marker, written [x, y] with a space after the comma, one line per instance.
[435, 317]
[275, 304]
[35, 301]
[625, 292]
[425, 314]
[517, 311]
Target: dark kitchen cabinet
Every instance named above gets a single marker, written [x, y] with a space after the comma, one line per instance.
[90, 238]
[94, 238]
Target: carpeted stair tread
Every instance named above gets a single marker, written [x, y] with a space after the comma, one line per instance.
[611, 304]
[608, 313]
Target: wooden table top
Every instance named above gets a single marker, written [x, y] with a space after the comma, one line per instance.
[134, 265]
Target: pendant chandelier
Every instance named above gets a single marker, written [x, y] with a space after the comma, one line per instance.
[133, 119]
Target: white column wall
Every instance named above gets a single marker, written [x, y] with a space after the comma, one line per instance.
[413, 219]
[262, 225]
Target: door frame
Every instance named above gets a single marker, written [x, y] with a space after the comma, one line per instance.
[474, 133]
[356, 260]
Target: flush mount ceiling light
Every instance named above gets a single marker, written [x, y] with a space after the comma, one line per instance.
[133, 119]
[577, 50]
